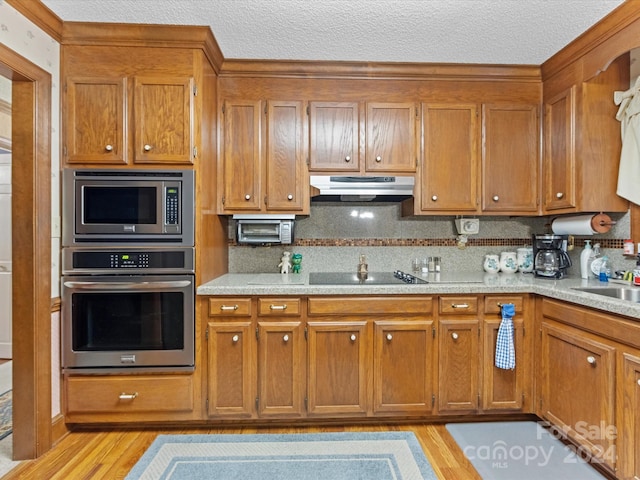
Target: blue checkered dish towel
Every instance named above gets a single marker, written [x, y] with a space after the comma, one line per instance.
[505, 351]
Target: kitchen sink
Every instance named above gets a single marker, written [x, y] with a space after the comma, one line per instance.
[631, 294]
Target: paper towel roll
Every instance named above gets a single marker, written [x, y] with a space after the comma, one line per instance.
[587, 224]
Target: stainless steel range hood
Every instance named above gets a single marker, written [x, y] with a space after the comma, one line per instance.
[362, 188]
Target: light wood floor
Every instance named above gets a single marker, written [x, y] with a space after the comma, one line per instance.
[109, 455]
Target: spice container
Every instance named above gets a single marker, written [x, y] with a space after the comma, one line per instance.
[628, 247]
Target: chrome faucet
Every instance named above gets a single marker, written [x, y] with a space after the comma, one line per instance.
[363, 267]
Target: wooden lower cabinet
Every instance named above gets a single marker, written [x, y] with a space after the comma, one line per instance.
[122, 398]
[231, 376]
[503, 389]
[403, 359]
[281, 369]
[577, 382]
[628, 430]
[338, 355]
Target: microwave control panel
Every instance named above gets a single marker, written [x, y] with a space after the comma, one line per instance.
[172, 201]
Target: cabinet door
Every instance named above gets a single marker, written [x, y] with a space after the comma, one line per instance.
[334, 136]
[240, 178]
[231, 377]
[510, 159]
[287, 181]
[281, 369]
[459, 366]
[503, 389]
[629, 424]
[449, 173]
[402, 366]
[94, 120]
[560, 154]
[337, 356]
[574, 366]
[163, 118]
[391, 137]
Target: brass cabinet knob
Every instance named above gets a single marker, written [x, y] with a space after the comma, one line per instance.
[289, 197]
[591, 360]
[247, 197]
[378, 159]
[454, 335]
[559, 195]
[434, 198]
[389, 337]
[347, 158]
[496, 198]
[285, 338]
[109, 148]
[235, 338]
[147, 148]
[353, 337]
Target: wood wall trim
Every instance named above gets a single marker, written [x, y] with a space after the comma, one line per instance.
[31, 240]
[381, 70]
[138, 35]
[40, 15]
[618, 20]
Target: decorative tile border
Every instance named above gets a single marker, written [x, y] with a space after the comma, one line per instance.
[433, 242]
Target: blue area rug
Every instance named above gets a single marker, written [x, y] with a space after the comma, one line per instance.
[326, 456]
[6, 416]
[522, 450]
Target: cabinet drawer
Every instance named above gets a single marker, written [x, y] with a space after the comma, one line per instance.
[367, 305]
[458, 305]
[144, 393]
[279, 306]
[492, 303]
[229, 307]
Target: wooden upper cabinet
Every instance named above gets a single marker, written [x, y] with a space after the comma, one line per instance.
[240, 180]
[559, 152]
[334, 136]
[95, 126]
[391, 137]
[263, 157]
[163, 119]
[104, 125]
[510, 159]
[287, 181]
[449, 178]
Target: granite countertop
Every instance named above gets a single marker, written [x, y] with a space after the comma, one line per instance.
[457, 283]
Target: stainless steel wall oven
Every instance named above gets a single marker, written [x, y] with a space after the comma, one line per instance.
[127, 308]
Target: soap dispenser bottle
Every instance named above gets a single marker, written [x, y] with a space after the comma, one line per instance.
[584, 259]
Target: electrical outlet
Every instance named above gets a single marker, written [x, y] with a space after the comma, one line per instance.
[468, 226]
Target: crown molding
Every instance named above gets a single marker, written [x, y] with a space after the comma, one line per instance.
[39, 14]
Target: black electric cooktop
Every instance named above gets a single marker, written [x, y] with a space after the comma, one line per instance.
[372, 278]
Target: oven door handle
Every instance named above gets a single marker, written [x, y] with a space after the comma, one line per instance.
[126, 285]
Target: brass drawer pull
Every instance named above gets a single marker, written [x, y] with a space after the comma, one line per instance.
[459, 305]
[228, 307]
[128, 396]
[278, 307]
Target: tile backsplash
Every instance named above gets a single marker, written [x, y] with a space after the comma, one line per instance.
[334, 235]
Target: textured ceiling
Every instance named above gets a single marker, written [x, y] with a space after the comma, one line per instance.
[432, 31]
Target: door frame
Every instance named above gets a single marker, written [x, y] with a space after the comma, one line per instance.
[31, 253]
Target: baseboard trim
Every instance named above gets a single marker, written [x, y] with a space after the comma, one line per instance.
[59, 429]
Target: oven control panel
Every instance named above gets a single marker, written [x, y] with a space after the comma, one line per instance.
[82, 260]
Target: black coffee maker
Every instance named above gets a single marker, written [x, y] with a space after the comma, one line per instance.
[550, 257]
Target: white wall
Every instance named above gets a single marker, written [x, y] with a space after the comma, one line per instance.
[29, 41]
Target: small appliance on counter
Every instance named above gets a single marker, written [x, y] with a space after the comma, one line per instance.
[550, 257]
[264, 229]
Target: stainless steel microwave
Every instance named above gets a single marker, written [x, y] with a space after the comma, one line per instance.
[124, 207]
[264, 229]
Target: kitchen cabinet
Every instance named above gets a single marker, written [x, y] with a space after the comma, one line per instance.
[448, 180]
[334, 136]
[281, 358]
[129, 120]
[504, 390]
[338, 357]
[231, 353]
[403, 358]
[356, 342]
[578, 386]
[128, 398]
[389, 133]
[582, 142]
[458, 354]
[510, 159]
[629, 422]
[263, 164]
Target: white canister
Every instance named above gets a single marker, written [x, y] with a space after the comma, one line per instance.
[525, 259]
[491, 263]
[508, 262]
